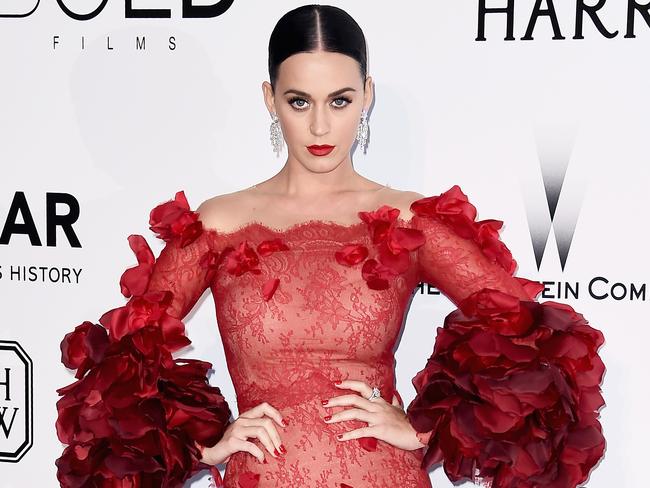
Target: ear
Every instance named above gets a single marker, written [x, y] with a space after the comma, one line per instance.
[369, 93]
[269, 97]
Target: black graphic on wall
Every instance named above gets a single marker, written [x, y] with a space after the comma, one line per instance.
[16, 402]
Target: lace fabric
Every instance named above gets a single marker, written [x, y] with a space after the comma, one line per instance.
[178, 269]
[322, 324]
[302, 307]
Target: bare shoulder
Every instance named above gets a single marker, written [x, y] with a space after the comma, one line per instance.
[225, 212]
[402, 200]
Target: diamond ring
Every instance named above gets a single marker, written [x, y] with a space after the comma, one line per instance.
[375, 393]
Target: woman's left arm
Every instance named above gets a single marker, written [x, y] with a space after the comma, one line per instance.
[458, 267]
[460, 256]
[512, 388]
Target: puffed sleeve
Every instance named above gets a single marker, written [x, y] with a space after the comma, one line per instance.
[136, 415]
[511, 393]
[178, 270]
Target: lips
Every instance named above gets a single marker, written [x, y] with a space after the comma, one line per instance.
[320, 150]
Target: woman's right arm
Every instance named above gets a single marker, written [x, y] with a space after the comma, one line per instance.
[259, 422]
[134, 406]
[186, 269]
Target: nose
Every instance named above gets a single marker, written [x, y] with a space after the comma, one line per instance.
[320, 124]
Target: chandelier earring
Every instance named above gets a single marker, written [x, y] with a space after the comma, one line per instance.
[277, 141]
[362, 131]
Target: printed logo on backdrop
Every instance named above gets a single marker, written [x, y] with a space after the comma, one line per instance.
[74, 9]
[20, 228]
[563, 224]
[582, 17]
[16, 402]
[79, 10]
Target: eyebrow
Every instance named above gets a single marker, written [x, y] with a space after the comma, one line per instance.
[333, 94]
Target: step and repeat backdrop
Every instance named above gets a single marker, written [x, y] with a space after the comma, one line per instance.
[537, 109]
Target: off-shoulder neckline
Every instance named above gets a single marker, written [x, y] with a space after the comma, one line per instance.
[298, 227]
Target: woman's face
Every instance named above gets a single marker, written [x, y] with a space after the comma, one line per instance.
[318, 98]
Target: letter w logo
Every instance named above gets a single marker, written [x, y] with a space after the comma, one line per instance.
[7, 429]
[557, 207]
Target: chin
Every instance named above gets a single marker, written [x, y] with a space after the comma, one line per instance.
[319, 164]
[321, 168]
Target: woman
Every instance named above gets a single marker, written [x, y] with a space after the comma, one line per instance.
[311, 272]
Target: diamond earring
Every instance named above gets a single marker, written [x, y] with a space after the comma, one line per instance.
[362, 131]
[276, 135]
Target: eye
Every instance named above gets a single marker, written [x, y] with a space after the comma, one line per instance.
[300, 103]
[297, 99]
[345, 99]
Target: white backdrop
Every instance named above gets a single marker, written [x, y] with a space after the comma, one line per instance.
[513, 122]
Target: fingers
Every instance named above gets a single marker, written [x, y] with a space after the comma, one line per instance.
[358, 433]
[351, 414]
[377, 413]
[260, 422]
[262, 409]
[360, 387]
[259, 432]
[241, 445]
[264, 430]
[354, 400]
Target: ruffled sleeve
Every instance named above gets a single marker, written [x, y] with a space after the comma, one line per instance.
[510, 395]
[136, 416]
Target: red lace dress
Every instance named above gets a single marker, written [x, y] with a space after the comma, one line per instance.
[300, 308]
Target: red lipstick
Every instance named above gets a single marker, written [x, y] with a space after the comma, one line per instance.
[321, 150]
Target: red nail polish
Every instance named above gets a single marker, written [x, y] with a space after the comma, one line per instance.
[324, 402]
[338, 382]
[339, 436]
[283, 449]
[265, 461]
[327, 417]
[284, 422]
[275, 451]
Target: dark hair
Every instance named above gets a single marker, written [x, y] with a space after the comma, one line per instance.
[316, 28]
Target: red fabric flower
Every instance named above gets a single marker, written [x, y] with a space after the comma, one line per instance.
[270, 246]
[135, 280]
[245, 259]
[242, 259]
[531, 287]
[175, 219]
[269, 287]
[136, 416]
[211, 259]
[392, 243]
[368, 443]
[453, 208]
[84, 347]
[377, 275]
[512, 393]
[380, 221]
[351, 254]
[147, 310]
[392, 239]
